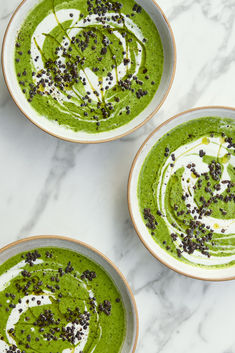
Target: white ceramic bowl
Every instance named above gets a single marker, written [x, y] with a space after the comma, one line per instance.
[142, 231]
[67, 134]
[28, 244]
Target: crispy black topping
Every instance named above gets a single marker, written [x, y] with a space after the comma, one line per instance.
[152, 223]
[196, 236]
[62, 76]
[49, 323]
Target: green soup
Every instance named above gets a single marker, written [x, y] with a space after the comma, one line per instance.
[56, 300]
[92, 65]
[186, 192]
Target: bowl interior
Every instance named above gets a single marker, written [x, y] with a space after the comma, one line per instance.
[128, 300]
[67, 134]
[152, 246]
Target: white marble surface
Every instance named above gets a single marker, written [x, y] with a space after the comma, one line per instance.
[52, 187]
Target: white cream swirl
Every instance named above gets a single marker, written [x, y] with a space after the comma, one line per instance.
[30, 301]
[92, 81]
[185, 155]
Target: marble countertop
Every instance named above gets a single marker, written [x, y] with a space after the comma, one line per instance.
[48, 186]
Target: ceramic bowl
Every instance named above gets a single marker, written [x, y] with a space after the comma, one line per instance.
[142, 231]
[28, 244]
[67, 134]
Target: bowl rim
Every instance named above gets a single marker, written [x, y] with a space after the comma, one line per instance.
[89, 247]
[108, 139]
[141, 237]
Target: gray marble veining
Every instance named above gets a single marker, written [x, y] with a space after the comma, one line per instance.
[54, 187]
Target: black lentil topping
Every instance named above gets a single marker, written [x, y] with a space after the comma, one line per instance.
[48, 323]
[152, 223]
[62, 76]
[197, 236]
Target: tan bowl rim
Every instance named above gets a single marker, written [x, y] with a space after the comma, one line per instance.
[107, 139]
[219, 279]
[133, 301]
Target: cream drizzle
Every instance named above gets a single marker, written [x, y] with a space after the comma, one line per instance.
[49, 23]
[185, 155]
[5, 281]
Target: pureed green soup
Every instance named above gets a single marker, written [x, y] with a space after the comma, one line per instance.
[58, 301]
[186, 192]
[89, 65]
